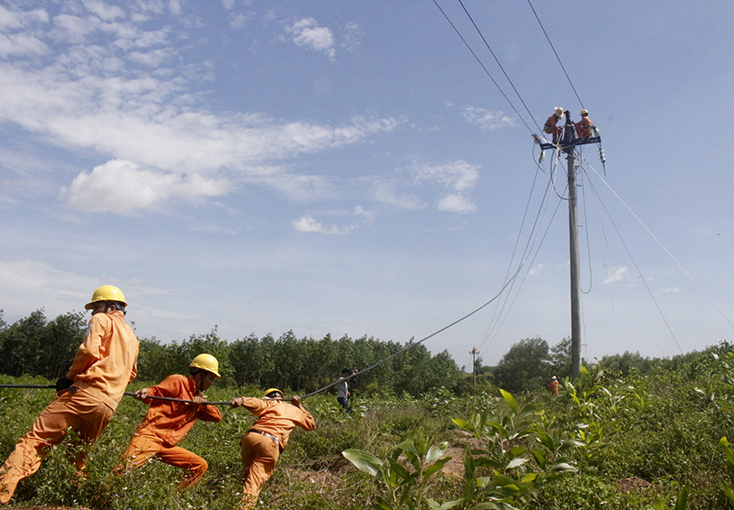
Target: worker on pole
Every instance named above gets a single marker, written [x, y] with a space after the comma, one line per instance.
[583, 127]
[87, 396]
[167, 422]
[263, 444]
[551, 125]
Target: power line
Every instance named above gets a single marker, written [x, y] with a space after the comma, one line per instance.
[556, 54]
[634, 263]
[483, 66]
[498, 63]
[411, 345]
[663, 247]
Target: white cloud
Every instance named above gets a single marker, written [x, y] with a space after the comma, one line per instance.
[369, 216]
[617, 274]
[21, 44]
[122, 187]
[457, 175]
[13, 19]
[351, 35]
[309, 225]
[670, 289]
[456, 202]
[487, 120]
[116, 97]
[104, 11]
[537, 269]
[307, 34]
[384, 190]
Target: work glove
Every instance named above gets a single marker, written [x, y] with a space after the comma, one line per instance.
[63, 383]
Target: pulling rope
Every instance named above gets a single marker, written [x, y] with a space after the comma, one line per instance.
[407, 347]
[410, 346]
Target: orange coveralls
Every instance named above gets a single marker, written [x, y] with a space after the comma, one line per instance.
[551, 128]
[553, 386]
[583, 127]
[260, 452]
[165, 425]
[103, 366]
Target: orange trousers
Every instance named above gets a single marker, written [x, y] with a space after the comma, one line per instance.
[144, 446]
[259, 457]
[83, 414]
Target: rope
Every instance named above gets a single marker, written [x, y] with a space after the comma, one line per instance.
[634, 263]
[663, 247]
[411, 345]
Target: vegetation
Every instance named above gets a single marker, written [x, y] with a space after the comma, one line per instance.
[38, 347]
[630, 433]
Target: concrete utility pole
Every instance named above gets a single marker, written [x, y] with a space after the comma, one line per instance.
[474, 353]
[573, 237]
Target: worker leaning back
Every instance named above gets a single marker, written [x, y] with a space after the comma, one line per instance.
[87, 396]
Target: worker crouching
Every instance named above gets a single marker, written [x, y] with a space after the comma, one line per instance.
[167, 422]
[263, 444]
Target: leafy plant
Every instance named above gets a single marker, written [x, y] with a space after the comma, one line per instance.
[406, 485]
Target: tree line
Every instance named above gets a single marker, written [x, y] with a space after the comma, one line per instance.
[38, 346]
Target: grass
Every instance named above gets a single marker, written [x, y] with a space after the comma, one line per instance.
[647, 436]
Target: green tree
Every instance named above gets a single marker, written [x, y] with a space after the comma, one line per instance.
[526, 366]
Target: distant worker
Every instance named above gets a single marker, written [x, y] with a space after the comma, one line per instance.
[342, 388]
[551, 126]
[263, 444]
[553, 385]
[167, 422]
[87, 396]
[583, 127]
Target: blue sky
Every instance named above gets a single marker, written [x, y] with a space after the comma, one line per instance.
[349, 168]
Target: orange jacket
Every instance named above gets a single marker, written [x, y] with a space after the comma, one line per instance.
[172, 420]
[107, 359]
[583, 127]
[278, 418]
[550, 124]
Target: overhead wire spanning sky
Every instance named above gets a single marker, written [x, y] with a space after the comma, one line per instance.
[326, 168]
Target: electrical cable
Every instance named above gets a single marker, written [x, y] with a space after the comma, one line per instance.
[496, 323]
[634, 263]
[499, 64]
[411, 345]
[586, 229]
[517, 242]
[527, 273]
[555, 53]
[483, 66]
[662, 246]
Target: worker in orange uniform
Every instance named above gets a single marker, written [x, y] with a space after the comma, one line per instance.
[167, 422]
[87, 396]
[553, 385]
[583, 127]
[266, 440]
[551, 126]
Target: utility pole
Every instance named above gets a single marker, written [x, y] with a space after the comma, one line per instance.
[474, 353]
[573, 238]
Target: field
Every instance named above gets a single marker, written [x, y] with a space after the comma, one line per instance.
[636, 441]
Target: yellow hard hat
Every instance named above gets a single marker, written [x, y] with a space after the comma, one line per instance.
[269, 393]
[584, 112]
[558, 110]
[206, 362]
[106, 293]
